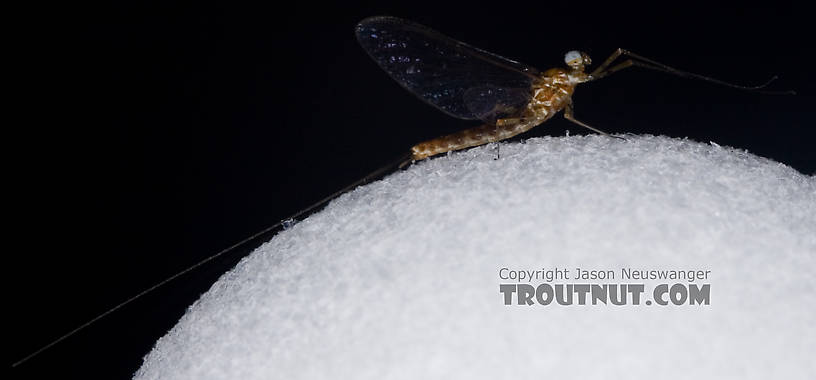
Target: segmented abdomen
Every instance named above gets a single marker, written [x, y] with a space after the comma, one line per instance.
[550, 95]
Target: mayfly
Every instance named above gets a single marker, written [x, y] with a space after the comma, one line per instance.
[470, 83]
[464, 82]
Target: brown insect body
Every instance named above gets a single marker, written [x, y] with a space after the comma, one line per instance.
[470, 83]
[551, 93]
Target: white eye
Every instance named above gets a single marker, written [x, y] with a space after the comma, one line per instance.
[573, 56]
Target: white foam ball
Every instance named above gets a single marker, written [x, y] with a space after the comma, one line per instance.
[399, 279]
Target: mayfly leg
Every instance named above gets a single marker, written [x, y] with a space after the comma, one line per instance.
[602, 71]
[647, 63]
[568, 114]
[625, 64]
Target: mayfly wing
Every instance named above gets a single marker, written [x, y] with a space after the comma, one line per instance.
[461, 80]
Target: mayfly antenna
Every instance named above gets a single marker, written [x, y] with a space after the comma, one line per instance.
[647, 63]
[400, 163]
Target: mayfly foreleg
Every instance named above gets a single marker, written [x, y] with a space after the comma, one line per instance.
[600, 69]
[654, 65]
[628, 63]
[568, 114]
[635, 60]
[641, 61]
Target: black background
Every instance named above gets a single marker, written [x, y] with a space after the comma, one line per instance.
[155, 135]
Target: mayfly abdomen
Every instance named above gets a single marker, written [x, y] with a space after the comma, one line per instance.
[483, 134]
[549, 95]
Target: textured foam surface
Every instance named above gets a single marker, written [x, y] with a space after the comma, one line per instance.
[399, 279]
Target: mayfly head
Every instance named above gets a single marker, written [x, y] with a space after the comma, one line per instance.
[576, 60]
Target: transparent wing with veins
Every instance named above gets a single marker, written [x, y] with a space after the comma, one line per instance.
[458, 79]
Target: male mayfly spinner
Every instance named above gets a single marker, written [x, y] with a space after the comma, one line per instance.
[464, 82]
[470, 83]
